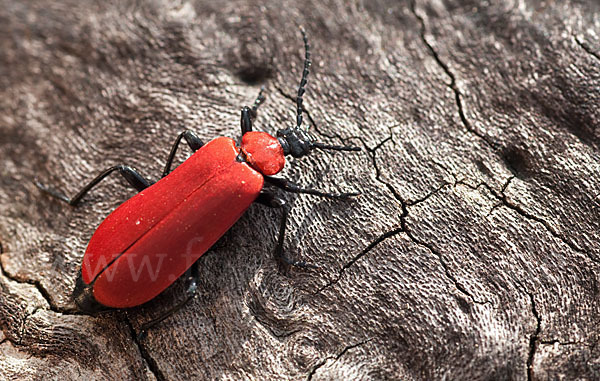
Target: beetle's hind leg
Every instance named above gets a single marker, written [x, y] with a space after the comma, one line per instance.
[249, 114]
[131, 175]
[268, 198]
[192, 287]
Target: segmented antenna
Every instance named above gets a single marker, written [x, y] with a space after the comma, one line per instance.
[303, 80]
[259, 100]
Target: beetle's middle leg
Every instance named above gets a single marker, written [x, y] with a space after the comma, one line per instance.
[131, 175]
[192, 276]
[268, 198]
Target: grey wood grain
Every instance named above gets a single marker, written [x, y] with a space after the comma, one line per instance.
[472, 253]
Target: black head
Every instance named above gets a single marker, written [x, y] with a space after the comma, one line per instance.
[296, 141]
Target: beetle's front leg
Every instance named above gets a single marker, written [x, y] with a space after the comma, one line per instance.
[192, 140]
[131, 175]
[268, 198]
[248, 114]
[291, 187]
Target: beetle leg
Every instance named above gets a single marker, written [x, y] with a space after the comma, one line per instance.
[289, 186]
[249, 114]
[192, 278]
[131, 175]
[192, 140]
[269, 199]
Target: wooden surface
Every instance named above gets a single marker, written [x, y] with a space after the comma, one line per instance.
[472, 254]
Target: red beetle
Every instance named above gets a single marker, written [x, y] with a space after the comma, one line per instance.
[156, 236]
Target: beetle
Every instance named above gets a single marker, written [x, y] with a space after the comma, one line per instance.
[169, 224]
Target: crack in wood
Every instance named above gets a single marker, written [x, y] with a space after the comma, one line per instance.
[427, 196]
[446, 268]
[500, 202]
[533, 338]
[150, 362]
[383, 236]
[502, 197]
[357, 257]
[452, 85]
[43, 292]
[585, 47]
[404, 228]
[335, 358]
[373, 153]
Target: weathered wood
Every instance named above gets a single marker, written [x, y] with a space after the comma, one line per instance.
[472, 254]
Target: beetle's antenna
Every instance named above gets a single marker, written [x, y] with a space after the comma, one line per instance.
[259, 100]
[303, 80]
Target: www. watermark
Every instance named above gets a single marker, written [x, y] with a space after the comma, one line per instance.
[149, 266]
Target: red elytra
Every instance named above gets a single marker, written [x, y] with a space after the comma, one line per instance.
[150, 240]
